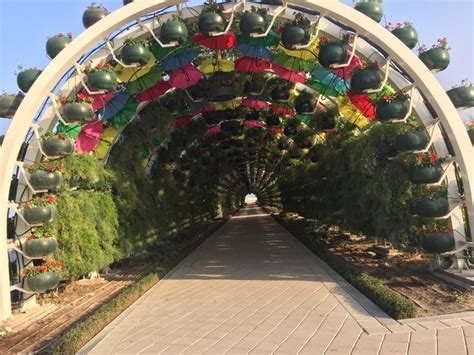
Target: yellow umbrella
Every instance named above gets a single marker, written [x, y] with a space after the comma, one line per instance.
[105, 142]
[310, 53]
[212, 65]
[125, 75]
[231, 104]
[351, 113]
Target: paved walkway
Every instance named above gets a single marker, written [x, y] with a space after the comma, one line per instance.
[253, 288]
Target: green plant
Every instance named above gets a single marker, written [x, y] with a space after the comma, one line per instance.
[76, 98]
[131, 40]
[46, 166]
[434, 229]
[424, 160]
[442, 43]
[41, 200]
[57, 135]
[60, 35]
[392, 27]
[106, 68]
[48, 266]
[42, 232]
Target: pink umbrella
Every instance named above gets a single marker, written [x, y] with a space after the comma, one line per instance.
[213, 130]
[180, 122]
[345, 73]
[254, 124]
[225, 41]
[282, 110]
[99, 100]
[284, 73]
[90, 135]
[186, 76]
[252, 65]
[254, 103]
[155, 91]
[205, 108]
[275, 130]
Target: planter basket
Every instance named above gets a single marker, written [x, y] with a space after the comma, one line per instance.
[211, 22]
[39, 215]
[93, 15]
[437, 244]
[373, 10]
[273, 121]
[220, 94]
[44, 180]
[136, 53]
[396, 109]
[43, 282]
[173, 31]
[367, 79]
[294, 35]
[9, 104]
[101, 80]
[56, 148]
[407, 35]
[26, 78]
[56, 44]
[77, 112]
[424, 175]
[304, 106]
[431, 208]
[332, 53]
[462, 97]
[252, 116]
[280, 94]
[37, 248]
[252, 22]
[411, 141]
[435, 59]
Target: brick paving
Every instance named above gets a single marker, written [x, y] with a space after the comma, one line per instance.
[252, 288]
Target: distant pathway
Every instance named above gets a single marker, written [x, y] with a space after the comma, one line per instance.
[253, 288]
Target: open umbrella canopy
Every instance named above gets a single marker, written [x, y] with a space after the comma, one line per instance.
[145, 82]
[311, 53]
[212, 65]
[252, 51]
[157, 90]
[126, 114]
[125, 75]
[105, 142]
[226, 105]
[350, 112]
[254, 124]
[327, 83]
[114, 106]
[272, 39]
[225, 41]
[201, 107]
[180, 122]
[176, 60]
[386, 90]
[71, 131]
[90, 134]
[364, 104]
[160, 52]
[100, 100]
[213, 130]
[184, 77]
[252, 65]
[275, 130]
[346, 72]
[282, 109]
[282, 72]
[293, 63]
[256, 102]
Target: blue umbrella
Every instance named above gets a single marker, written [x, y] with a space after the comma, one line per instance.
[252, 51]
[327, 83]
[115, 105]
[176, 61]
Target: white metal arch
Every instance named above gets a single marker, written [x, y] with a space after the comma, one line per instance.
[423, 78]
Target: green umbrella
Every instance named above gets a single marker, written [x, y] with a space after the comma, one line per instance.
[303, 118]
[272, 39]
[144, 82]
[71, 131]
[126, 114]
[293, 63]
[162, 52]
[326, 90]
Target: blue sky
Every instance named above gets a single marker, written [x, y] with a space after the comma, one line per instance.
[26, 24]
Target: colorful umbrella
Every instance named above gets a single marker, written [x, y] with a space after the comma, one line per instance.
[213, 130]
[258, 52]
[327, 83]
[175, 61]
[364, 104]
[160, 88]
[72, 131]
[100, 100]
[145, 82]
[108, 137]
[256, 102]
[275, 130]
[282, 72]
[346, 72]
[292, 63]
[160, 52]
[226, 105]
[89, 137]
[184, 77]
[311, 53]
[125, 75]
[254, 124]
[282, 109]
[212, 65]
[180, 122]
[225, 41]
[201, 107]
[272, 39]
[351, 113]
[252, 65]
[386, 90]
[126, 114]
[114, 106]
[303, 118]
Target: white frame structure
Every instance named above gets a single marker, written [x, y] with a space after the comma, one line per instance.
[423, 80]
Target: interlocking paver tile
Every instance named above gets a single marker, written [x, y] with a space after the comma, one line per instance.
[451, 341]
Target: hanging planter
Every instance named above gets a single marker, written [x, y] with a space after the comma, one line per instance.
[211, 20]
[392, 107]
[26, 78]
[57, 43]
[57, 145]
[252, 116]
[135, 52]
[43, 277]
[280, 94]
[233, 127]
[101, 78]
[41, 242]
[431, 207]
[221, 93]
[332, 53]
[436, 239]
[253, 21]
[325, 120]
[462, 96]
[9, 103]
[410, 141]
[304, 103]
[45, 176]
[370, 8]
[77, 109]
[437, 57]
[424, 168]
[40, 209]
[405, 32]
[94, 13]
[173, 31]
[365, 79]
[272, 121]
[290, 131]
[296, 32]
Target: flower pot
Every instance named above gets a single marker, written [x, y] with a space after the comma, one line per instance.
[332, 53]
[407, 35]
[367, 79]
[462, 97]
[9, 104]
[252, 116]
[436, 59]
[221, 93]
[304, 105]
[290, 131]
[211, 22]
[437, 244]
[396, 109]
[326, 122]
[43, 282]
[77, 112]
[280, 94]
[294, 35]
[136, 53]
[102, 81]
[56, 148]
[411, 141]
[234, 127]
[471, 135]
[36, 248]
[386, 149]
[93, 15]
[424, 175]
[431, 207]
[39, 215]
[173, 31]
[272, 121]
[56, 44]
[45, 180]
[373, 10]
[252, 22]
[26, 78]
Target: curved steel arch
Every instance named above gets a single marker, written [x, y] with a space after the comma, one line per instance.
[422, 77]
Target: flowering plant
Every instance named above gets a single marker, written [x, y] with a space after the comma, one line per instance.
[434, 230]
[372, 65]
[20, 68]
[300, 19]
[442, 43]
[97, 6]
[346, 38]
[470, 126]
[58, 135]
[99, 67]
[60, 35]
[433, 193]
[404, 24]
[217, 8]
[464, 83]
[424, 160]
[396, 94]
[259, 10]
[130, 41]
[41, 200]
[47, 266]
[77, 98]
[46, 166]
[41, 233]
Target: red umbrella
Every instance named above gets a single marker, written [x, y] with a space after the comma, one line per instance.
[90, 135]
[213, 130]
[252, 102]
[282, 110]
[345, 72]
[364, 104]
[207, 107]
[275, 130]
[249, 64]
[184, 77]
[180, 122]
[155, 91]
[99, 100]
[284, 73]
[254, 124]
[225, 41]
